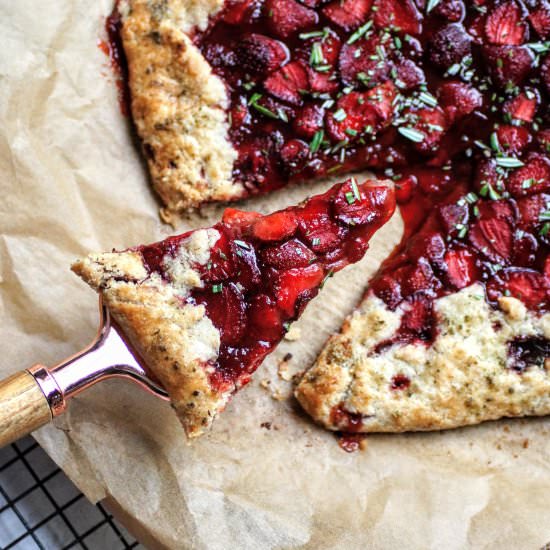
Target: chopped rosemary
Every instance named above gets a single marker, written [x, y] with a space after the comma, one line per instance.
[508, 162]
[411, 133]
[316, 141]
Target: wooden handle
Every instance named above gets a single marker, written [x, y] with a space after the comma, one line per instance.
[23, 407]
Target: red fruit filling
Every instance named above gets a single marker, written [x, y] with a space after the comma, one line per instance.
[449, 99]
[263, 270]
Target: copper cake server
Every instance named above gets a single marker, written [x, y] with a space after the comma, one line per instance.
[33, 397]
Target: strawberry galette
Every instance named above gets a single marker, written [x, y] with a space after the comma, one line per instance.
[448, 98]
[205, 308]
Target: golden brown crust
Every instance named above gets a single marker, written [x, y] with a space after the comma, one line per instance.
[463, 378]
[177, 342]
[178, 104]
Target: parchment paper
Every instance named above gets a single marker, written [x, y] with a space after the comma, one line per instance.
[72, 181]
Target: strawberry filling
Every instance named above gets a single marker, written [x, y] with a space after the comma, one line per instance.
[263, 270]
[450, 100]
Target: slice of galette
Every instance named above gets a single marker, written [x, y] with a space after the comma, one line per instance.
[454, 330]
[238, 97]
[204, 308]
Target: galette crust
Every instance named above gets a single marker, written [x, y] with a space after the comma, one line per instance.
[461, 379]
[176, 342]
[178, 104]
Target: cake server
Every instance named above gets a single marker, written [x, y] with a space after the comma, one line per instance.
[33, 397]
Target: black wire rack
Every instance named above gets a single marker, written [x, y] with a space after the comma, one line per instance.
[41, 509]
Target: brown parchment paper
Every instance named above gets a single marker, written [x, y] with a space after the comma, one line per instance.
[71, 181]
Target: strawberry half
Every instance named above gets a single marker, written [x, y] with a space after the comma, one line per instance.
[358, 111]
[275, 227]
[237, 12]
[523, 107]
[308, 120]
[461, 268]
[261, 54]
[295, 285]
[431, 124]
[540, 19]
[505, 25]
[513, 139]
[291, 254]
[409, 74]
[493, 238]
[458, 99]
[401, 15]
[287, 17]
[449, 46]
[288, 83]
[364, 63]
[527, 285]
[348, 14]
[530, 209]
[508, 64]
[452, 10]
[532, 178]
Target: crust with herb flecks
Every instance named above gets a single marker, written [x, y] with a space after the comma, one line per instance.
[178, 341]
[178, 104]
[462, 378]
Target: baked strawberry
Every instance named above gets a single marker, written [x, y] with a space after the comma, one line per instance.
[295, 287]
[364, 112]
[227, 311]
[426, 244]
[452, 10]
[488, 179]
[294, 155]
[493, 239]
[321, 82]
[458, 99]
[353, 205]
[237, 12]
[532, 178]
[417, 321]
[528, 285]
[261, 54]
[318, 230]
[364, 62]
[476, 28]
[508, 65]
[287, 17]
[321, 49]
[430, 125]
[543, 139]
[461, 269]
[505, 25]
[449, 46]
[275, 227]
[454, 217]
[523, 107]
[308, 120]
[404, 189]
[291, 254]
[540, 19]
[400, 15]
[288, 83]
[265, 319]
[409, 74]
[348, 14]
[513, 139]
[530, 210]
